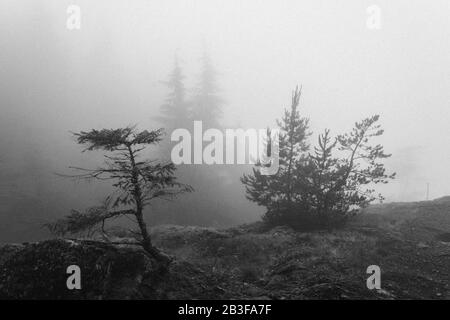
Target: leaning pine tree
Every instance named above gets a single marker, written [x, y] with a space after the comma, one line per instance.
[279, 193]
[137, 182]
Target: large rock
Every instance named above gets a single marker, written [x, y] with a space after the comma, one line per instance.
[38, 271]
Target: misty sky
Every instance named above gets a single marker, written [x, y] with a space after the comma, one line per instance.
[109, 73]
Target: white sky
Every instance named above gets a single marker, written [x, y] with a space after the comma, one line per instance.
[108, 73]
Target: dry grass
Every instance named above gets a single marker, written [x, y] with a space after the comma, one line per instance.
[281, 263]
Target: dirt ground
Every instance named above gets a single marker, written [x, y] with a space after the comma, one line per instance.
[410, 242]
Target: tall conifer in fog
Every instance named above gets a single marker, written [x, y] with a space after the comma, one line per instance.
[174, 112]
[207, 104]
[279, 193]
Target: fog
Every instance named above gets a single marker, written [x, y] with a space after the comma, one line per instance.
[109, 74]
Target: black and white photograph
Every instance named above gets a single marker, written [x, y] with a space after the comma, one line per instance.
[245, 152]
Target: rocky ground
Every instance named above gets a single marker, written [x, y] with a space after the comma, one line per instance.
[410, 242]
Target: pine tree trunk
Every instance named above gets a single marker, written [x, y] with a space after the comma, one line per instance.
[162, 259]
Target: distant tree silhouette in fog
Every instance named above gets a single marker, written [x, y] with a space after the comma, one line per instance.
[175, 110]
[179, 111]
[207, 104]
[137, 183]
[209, 205]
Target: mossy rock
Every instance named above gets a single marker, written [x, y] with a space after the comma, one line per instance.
[38, 271]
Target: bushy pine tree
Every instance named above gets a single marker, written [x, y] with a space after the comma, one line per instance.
[319, 189]
[338, 186]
